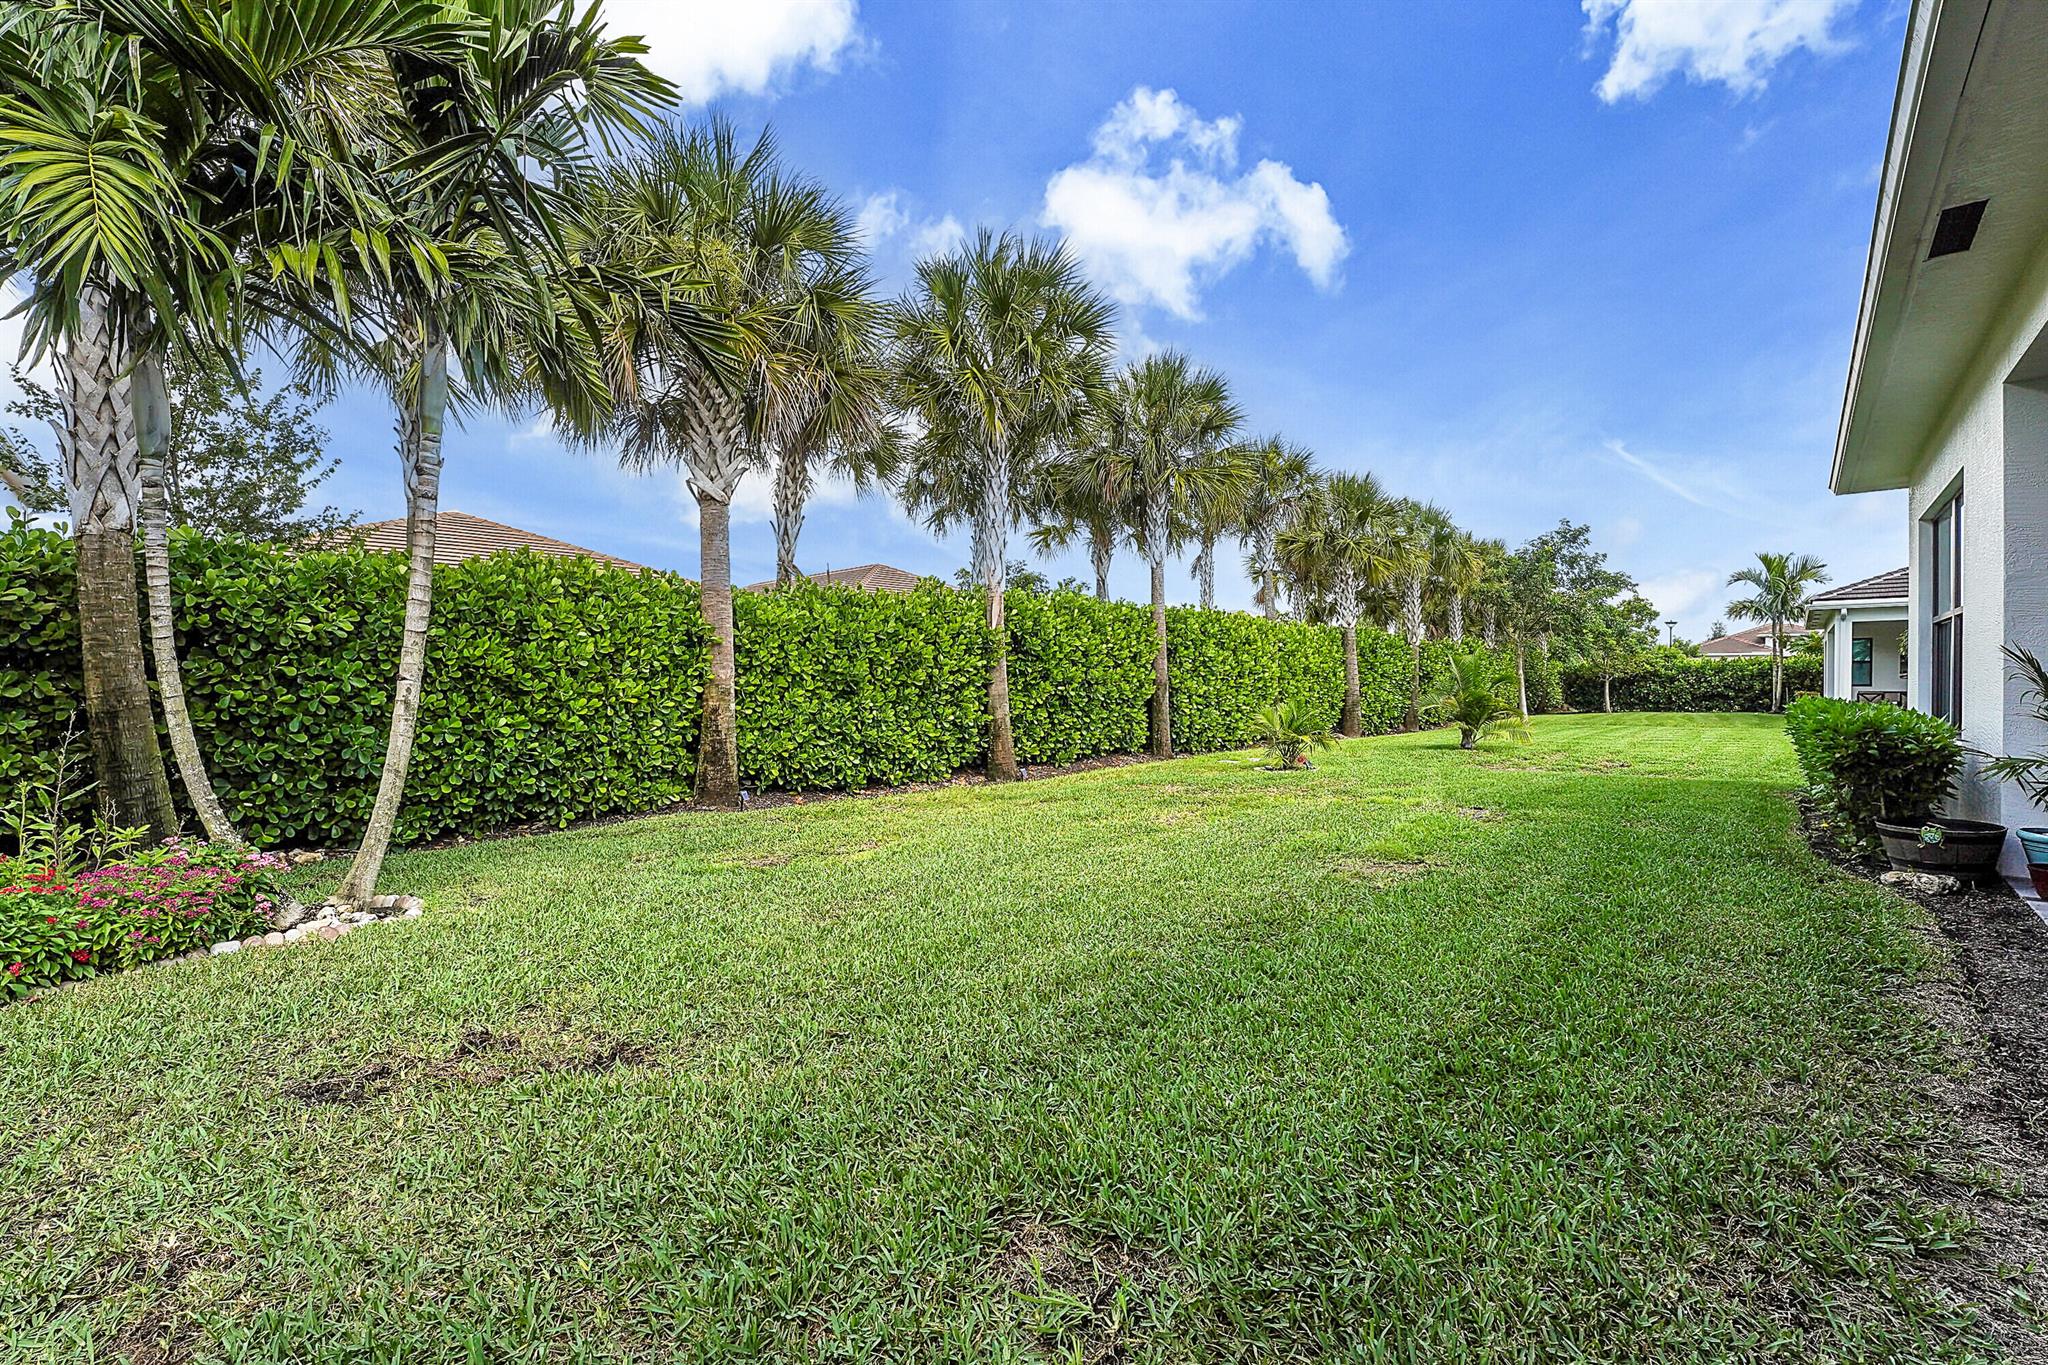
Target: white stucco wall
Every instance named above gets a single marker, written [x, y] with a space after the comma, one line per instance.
[1993, 444]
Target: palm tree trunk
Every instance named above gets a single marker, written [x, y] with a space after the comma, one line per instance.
[1205, 571]
[792, 491]
[1101, 548]
[153, 434]
[419, 444]
[1777, 665]
[1353, 724]
[1268, 573]
[1456, 624]
[1411, 626]
[98, 437]
[1522, 678]
[1161, 745]
[718, 752]
[1489, 629]
[991, 550]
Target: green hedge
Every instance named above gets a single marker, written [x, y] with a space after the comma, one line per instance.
[558, 690]
[1693, 685]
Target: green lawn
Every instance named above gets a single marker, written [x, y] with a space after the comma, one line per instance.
[1538, 1052]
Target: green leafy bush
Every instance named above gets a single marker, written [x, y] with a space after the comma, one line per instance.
[152, 904]
[1870, 761]
[1289, 729]
[558, 690]
[1478, 698]
[1670, 684]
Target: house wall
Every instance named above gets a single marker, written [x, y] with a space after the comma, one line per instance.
[1993, 444]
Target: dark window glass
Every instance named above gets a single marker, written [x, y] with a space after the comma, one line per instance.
[1859, 661]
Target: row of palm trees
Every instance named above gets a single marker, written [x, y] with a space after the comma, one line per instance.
[478, 204]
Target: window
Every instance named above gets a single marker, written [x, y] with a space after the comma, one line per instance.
[1859, 661]
[1945, 593]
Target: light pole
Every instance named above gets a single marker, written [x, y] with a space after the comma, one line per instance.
[1672, 637]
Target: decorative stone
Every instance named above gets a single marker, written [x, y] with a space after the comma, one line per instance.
[411, 905]
[413, 913]
[294, 935]
[307, 855]
[329, 932]
[273, 939]
[1926, 883]
[226, 946]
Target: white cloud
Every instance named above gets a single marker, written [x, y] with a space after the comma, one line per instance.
[715, 47]
[1678, 594]
[895, 236]
[1157, 234]
[1735, 42]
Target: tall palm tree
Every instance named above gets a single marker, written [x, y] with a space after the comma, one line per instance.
[1217, 510]
[453, 264]
[1423, 538]
[1336, 549]
[1283, 479]
[1459, 567]
[141, 145]
[997, 350]
[1077, 499]
[1782, 583]
[773, 259]
[1167, 436]
[835, 419]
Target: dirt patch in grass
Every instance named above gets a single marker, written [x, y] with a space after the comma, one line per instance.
[1380, 871]
[1082, 1292]
[479, 1057]
[1994, 1008]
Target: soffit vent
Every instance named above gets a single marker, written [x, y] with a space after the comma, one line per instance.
[1956, 228]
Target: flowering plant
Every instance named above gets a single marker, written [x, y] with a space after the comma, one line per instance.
[156, 903]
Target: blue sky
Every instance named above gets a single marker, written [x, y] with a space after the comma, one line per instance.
[1527, 260]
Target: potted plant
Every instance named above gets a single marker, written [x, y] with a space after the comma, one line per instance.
[2029, 771]
[1289, 730]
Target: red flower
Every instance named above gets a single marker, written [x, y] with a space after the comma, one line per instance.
[80, 955]
[49, 919]
[14, 969]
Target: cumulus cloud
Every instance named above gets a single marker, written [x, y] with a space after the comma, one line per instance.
[1160, 210]
[1678, 594]
[716, 47]
[1735, 42]
[897, 236]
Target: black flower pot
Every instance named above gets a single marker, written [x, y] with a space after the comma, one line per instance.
[1965, 849]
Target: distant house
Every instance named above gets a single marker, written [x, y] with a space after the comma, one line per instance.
[1948, 375]
[459, 536]
[868, 577]
[1744, 644]
[1864, 648]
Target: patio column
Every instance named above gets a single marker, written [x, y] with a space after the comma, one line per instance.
[1841, 632]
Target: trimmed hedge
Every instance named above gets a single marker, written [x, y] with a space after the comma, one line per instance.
[1692, 685]
[558, 690]
[1868, 761]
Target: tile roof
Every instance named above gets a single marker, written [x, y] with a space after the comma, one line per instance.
[1743, 642]
[459, 536]
[1883, 587]
[871, 577]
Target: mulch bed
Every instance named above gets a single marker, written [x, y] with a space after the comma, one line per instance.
[1996, 1008]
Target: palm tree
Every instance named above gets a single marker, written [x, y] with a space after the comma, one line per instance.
[1783, 583]
[1470, 699]
[773, 259]
[997, 350]
[1165, 438]
[1218, 510]
[454, 264]
[146, 145]
[1416, 544]
[1334, 550]
[1076, 499]
[835, 416]
[1458, 566]
[1283, 479]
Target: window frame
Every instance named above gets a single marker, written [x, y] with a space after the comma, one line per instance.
[1945, 608]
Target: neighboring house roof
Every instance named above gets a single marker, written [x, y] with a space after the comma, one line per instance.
[459, 536]
[1968, 149]
[1741, 643]
[869, 577]
[1883, 587]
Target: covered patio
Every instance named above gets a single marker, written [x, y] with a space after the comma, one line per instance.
[1863, 629]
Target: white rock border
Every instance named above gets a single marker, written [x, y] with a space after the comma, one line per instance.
[328, 921]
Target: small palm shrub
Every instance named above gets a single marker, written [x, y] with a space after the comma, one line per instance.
[2029, 771]
[1868, 761]
[1477, 697]
[1289, 730]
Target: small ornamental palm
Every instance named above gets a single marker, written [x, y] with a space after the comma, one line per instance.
[1474, 699]
[1289, 730]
